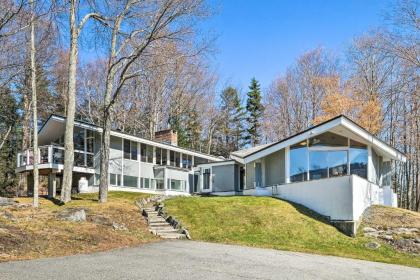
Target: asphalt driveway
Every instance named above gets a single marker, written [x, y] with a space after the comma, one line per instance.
[199, 260]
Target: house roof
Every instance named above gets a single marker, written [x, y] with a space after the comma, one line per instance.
[338, 124]
[84, 124]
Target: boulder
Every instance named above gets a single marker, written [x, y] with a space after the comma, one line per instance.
[73, 214]
[5, 201]
[100, 220]
[117, 226]
[373, 245]
[369, 229]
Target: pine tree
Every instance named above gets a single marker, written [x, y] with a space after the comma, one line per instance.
[255, 110]
[231, 130]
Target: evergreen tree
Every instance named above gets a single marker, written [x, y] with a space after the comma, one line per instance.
[231, 132]
[255, 110]
[188, 127]
[9, 137]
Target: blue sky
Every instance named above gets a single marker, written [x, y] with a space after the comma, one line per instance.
[262, 38]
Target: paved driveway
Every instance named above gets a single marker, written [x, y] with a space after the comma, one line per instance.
[199, 260]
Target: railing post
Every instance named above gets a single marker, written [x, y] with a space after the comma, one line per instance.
[50, 154]
[27, 157]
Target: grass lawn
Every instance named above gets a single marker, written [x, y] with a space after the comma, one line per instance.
[273, 223]
[34, 233]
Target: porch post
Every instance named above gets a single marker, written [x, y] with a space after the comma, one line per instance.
[52, 184]
[287, 164]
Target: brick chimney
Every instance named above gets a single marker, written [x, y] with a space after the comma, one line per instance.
[167, 136]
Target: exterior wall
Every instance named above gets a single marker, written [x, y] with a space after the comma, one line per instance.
[329, 197]
[250, 175]
[274, 168]
[225, 178]
[115, 156]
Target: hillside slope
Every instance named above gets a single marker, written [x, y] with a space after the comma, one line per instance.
[273, 223]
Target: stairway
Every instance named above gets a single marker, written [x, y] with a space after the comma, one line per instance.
[159, 226]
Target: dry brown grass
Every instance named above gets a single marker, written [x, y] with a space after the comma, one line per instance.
[382, 216]
[35, 233]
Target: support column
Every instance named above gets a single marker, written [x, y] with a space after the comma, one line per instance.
[52, 185]
[287, 164]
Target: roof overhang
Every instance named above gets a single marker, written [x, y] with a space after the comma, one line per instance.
[340, 125]
[54, 127]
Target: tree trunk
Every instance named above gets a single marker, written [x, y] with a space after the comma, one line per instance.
[105, 142]
[34, 109]
[71, 108]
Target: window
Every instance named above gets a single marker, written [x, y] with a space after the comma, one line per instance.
[318, 165]
[146, 152]
[144, 183]
[160, 185]
[325, 164]
[90, 138]
[206, 179]
[172, 158]
[358, 157]
[186, 161]
[130, 181]
[79, 138]
[337, 163]
[158, 155]
[176, 185]
[133, 146]
[161, 155]
[89, 160]
[328, 139]
[115, 179]
[198, 160]
[298, 162]
[177, 159]
[130, 150]
[126, 149]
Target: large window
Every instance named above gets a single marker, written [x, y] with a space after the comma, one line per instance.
[176, 185]
[324, 164]
[161, 156]
[146, 152]
[130, 149]
[130, 181]
[115, 179]
[175, 158]
[186, 161]
[298, 162]
[325, 156]
[328, 139]
[358, 157]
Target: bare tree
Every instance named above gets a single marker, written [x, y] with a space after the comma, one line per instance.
[75, 30]
[150, 22]
[34, 108]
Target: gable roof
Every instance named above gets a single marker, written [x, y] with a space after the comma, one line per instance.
[83, 124]
[339, 121]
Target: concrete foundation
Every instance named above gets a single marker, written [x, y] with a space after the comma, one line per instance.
[347, 227]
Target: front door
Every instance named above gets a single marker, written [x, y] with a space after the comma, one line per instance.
[241, 178]
[258, 175]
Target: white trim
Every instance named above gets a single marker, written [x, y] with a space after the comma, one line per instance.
[386, 149]
[211, 164]
[138, 139]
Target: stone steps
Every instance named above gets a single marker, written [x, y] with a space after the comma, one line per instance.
[159, 226]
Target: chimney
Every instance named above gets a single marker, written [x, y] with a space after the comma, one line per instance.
[167, 136]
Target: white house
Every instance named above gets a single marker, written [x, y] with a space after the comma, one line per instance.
[336, 168]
